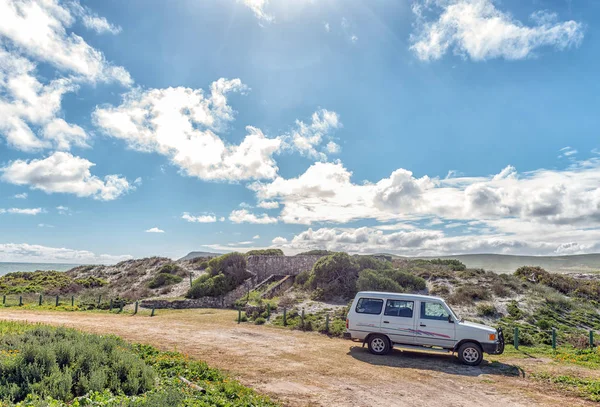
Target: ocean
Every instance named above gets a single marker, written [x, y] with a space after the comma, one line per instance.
[10, 267]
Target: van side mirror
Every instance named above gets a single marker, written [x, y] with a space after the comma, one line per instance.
[450, 319]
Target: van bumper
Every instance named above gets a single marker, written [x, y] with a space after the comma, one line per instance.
[493, 348]
[347, 335]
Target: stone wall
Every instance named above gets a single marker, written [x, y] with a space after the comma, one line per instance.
[266, 266]
[204, 302]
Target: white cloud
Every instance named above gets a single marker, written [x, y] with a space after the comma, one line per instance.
[245, 205]
[64, 173]
[258, 8]
[478, 30]
[268, 204]
[326, 193]
[23, 252]
[327, 27]
[155, 230]
[199, 219]
[554, 240]
[63, 210]
[45, 225]
[278, 241]
[21, 196]
[30, 109]
[243, 216]
[256, 237]
[307, 138]
[38, 28]
[180, 123]
[354, 38]
[23, 211]
[567, 152]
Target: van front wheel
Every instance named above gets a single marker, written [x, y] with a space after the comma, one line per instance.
[379, 345]
[470, 354]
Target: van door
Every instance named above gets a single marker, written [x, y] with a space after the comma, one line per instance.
[433, 326]
[368, 315]
[398, 321]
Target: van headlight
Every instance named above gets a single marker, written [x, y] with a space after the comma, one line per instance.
[492, 337]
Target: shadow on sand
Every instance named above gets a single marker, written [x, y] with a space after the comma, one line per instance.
[404, 359]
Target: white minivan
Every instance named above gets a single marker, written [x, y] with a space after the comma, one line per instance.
[418, 322]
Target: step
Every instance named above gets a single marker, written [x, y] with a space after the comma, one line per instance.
[421, 349]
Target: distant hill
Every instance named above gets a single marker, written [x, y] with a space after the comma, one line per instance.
[193, 255]
[503, 263]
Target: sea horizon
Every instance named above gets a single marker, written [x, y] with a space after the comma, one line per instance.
[10, 267]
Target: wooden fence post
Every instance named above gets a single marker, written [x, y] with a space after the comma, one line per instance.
[20, 300]
[554, 338]
[268, 311]
[111, 305]
[121, 306]
[327, 323]
[40, 301]
[72, 301]
[239, 314]
[3, 299]
[303, 319]
[99, 300]
[284, 316]
[591, 338]
[516, 338]
[136, 308]
[152, 313]
[56, 301]
[191, 279]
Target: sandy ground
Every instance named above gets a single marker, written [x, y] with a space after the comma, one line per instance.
[309, 369]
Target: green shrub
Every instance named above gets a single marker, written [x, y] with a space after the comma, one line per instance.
[260, 321]
[316, 253]
[265, 252]
[454, 265]
[469, 293]
[34, 282]
[500, 290]
[91, 282]
[170, 268]
[389, 280]
[302, 278]
[513, 310]
[164, 279]
[439, 290]
[61, 363]
[224, 273]
[486, 310]
[335, 275]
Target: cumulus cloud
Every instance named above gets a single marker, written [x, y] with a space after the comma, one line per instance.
[268, 204]
[23, 211]
[64, 173]
[256, 237]
[181, 123]
[278, 241]
[307, 138]
[23, 252]
[325, 192]
[30, 110]
[39, 28]
[480, 31]
[21, 196]
[243, 216]
[199, 219]
[422, 242]
[155, 230]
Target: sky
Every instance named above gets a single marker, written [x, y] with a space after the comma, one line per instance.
[417, 127]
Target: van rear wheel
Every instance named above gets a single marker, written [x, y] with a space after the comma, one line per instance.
[470, 354]
[379, 344]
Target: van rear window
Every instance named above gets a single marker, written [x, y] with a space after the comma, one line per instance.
[369, 306]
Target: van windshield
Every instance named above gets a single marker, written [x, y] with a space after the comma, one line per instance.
[454, 314]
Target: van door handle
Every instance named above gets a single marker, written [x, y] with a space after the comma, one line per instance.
[386, 322]
[422, 325]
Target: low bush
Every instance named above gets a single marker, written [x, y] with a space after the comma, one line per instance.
[439, 290]
[260, 321]
[164, 279]
[469, 293]
[513, 310]
[265, 252]
[389, 280]
[486, 310]
[224, 273]
[62, 363]
[91, 282]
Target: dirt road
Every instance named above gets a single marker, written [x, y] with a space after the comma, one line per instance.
[309, 369]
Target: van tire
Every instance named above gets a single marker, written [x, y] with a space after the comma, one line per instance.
[379, 344]
[470, 354]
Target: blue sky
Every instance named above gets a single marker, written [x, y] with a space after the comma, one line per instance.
[424, 127]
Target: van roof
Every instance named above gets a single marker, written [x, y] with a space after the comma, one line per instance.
[380, 294]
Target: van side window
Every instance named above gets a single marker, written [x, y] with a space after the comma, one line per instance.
[433, 310]
[399, 308]
[369, 306]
